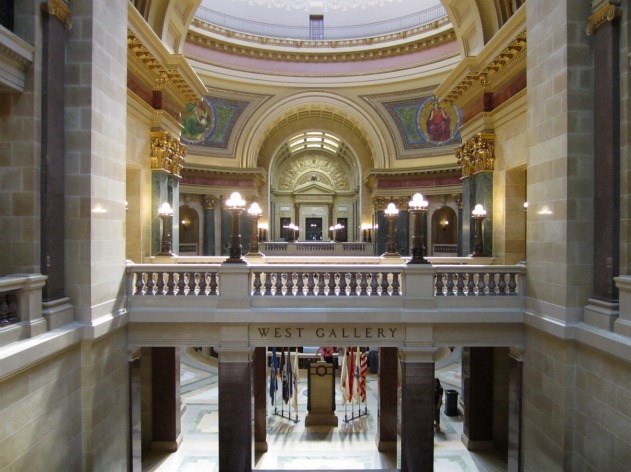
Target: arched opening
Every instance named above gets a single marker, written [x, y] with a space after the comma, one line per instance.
[189, 231]
[444, 231]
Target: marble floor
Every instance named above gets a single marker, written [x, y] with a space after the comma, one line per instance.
[292, 446]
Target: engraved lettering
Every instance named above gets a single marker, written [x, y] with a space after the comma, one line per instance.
[393, 331]
[332, 334]
[320, 332]
[277, 332]
[263, 332]
[344, 335]
[380, 333]
[368, 332]
[299, 332]
[288, 332]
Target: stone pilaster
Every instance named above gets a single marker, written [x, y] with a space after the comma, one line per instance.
[260, 399]
[388, 391]
[515, 390]
[235, 409]
[166, 410]
[417, 410]
[477, 375]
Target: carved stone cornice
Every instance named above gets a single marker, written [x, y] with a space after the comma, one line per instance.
[608, 12]
[511, 59]
[477, 154]
[288, 50]
[167, 153]
[59, 9]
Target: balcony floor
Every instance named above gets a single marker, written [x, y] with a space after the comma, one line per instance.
[296, 447]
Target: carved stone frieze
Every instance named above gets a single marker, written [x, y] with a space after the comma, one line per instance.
[319, 168]
[167, 153]
[477, 154]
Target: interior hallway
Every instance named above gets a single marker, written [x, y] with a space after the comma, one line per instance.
[292, 446]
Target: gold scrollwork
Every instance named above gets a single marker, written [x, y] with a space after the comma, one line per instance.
[167, 153]
[477, 154]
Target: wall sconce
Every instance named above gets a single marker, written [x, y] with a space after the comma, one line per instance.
[185, 223]
[418, 207]
[165, 212]
[391, 213]
[235, 206]
[478, 214]
[254, 212]
[443, 224]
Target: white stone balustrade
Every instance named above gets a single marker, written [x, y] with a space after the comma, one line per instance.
[21, 298]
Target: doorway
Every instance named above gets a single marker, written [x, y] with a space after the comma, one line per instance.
[313, 229]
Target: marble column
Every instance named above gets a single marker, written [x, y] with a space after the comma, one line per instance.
[515, 391]
[260, 399]
[53, 157]
[166, 408]
[477, 376]
[235, 409]
[417, 410]
[208, 205]
[606, 220]
[388, 393]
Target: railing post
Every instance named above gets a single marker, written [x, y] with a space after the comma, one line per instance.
[418, 282]
[235, 286]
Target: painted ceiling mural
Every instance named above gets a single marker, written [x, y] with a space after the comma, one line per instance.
[424, 123]
[210, 122]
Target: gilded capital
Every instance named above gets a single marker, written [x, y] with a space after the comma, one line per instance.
[59, 9]
[167, 153]
[476, 154]
[604, 12]
[209, 202]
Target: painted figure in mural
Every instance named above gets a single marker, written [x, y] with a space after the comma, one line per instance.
[439, 124]
[197, 120]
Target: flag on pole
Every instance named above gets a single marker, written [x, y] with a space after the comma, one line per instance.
[283, 372]
[294, 398]
[344, 379]
[290, 376]
[351, 374]
[273, 376]
[363, 369]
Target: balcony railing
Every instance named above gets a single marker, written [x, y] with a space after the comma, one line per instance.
[21, 307]
[408, 22]
[203, 280]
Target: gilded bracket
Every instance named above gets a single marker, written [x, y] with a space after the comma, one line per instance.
[59, 9]
[477, 154]
[167, 153]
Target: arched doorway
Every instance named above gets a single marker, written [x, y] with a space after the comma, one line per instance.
[189, 231]
[444, 231]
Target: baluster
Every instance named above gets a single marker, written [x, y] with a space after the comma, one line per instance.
[321, 284]
[491, 284]
[342, 285]
[353, 285]
[374, 284]
[192, 283]
[181, 283]
[257, 284]
[310, 285]
[450, 284]
[170, 283]
[150, 284]
[481, 285]
[501, 284]
[470, 284]
[202, 284]
[289, 284]
[362, 285]
[460, 285]
[160, 284]
[278, 286]
[139, 283]
[213, 283]
[512, 284]
[439, 284]
[268, 284]
[395, 284]
[300, 284]
[384, 284]
[332, 284]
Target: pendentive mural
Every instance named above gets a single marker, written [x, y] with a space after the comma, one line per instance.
[424, 123]
[211, 121]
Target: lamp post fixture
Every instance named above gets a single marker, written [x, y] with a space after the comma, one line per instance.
[165, 212]
[391, 213]
[418, 207]
[235, 205]
[254, 212]
[478, 214]
[334, 229]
